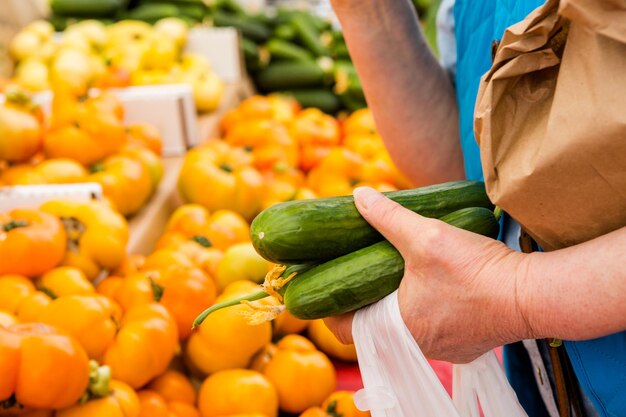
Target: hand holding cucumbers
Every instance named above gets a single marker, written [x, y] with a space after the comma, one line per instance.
[457, 296]
[365, 267]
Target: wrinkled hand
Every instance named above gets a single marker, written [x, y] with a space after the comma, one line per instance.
[458, 296]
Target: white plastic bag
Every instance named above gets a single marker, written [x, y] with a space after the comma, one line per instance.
[399, 382]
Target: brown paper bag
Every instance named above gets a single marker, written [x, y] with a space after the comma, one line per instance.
[551, 121]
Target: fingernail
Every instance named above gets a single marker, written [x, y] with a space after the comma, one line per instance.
[366, 196]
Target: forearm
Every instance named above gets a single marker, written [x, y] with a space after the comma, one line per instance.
[411, 96]
[576, 293]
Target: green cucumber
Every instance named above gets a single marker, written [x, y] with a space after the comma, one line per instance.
[285, 32]
[309, 35]
[290, 75]
[249, 27]
[86, 8]
[152, 12]
[367, 275]
[323, 99]
[280, 49]
[325, 228]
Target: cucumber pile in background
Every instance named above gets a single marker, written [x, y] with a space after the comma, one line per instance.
[286, 50]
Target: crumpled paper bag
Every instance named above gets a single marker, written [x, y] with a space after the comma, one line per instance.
[550, 120]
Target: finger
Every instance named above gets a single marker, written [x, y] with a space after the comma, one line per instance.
[341, 326]
[396, 223]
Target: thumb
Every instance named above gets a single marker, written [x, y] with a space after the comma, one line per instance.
[341, 326]
[396, 223]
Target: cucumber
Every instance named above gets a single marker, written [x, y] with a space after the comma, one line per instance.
[325, 228]
[230, 6]
[280, 49]
[365, 276]
[86, 8]
[352, 103]
[290, 75]
[151, 13]
[285, 32]
[309, 35]
[249, 27]
[322, 99]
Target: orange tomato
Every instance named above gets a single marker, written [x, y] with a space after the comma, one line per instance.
[144, 345]
[225, 339]
[314, 412]
[146, 135]
[297, 363]
[122, 402]
[92, 320]
[281, 184]
[87, 131]
[286, 323]
[274, 107]
[181, 409]
[227, 228]
[31, 306]
[151, 404]
[109, 286]
[113, 77]
[186, 293]
[97, 234]
[42, 367]
[14, 289]
[51, 171]
[341, 403]
[234, 183]
[125, 181]
[312, 155]
[65, 280]
[268, 141]
[189, 220]
[174, 386]
[164, 258]
[20, 127]
[367, 145]
[360, 121]
[237, 391]
[312, 126]
[328, 343]
[130, 265]
[31, 242]
[150, 160]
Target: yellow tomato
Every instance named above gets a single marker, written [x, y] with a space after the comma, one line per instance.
[7, 319]
[241, 262]
[233, 183]
[328, 343]
[20, 127]
[297, 363]
[122, 402]
[97, 235]
[31, 306]
[126, 181]
[91, 319]
[237, 391]
[225, 340]
[66, 280]
[14, 289]
[342, 403]
[174, 386]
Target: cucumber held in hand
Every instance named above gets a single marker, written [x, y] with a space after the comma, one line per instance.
[322, 229]
[367, 275]
[354, 280]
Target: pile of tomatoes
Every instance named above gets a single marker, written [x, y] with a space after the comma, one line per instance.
[84, 139]
[86, 330]
[273, 151]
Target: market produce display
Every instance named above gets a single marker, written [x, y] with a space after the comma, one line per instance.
[273, 151]
[130, 52]
[83, 140]
[126, 336]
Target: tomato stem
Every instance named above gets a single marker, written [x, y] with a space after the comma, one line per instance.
[14, 224]
[252, 297]
[202, 241]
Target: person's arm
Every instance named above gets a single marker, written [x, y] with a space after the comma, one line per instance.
[463, 294]
[410, 94]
